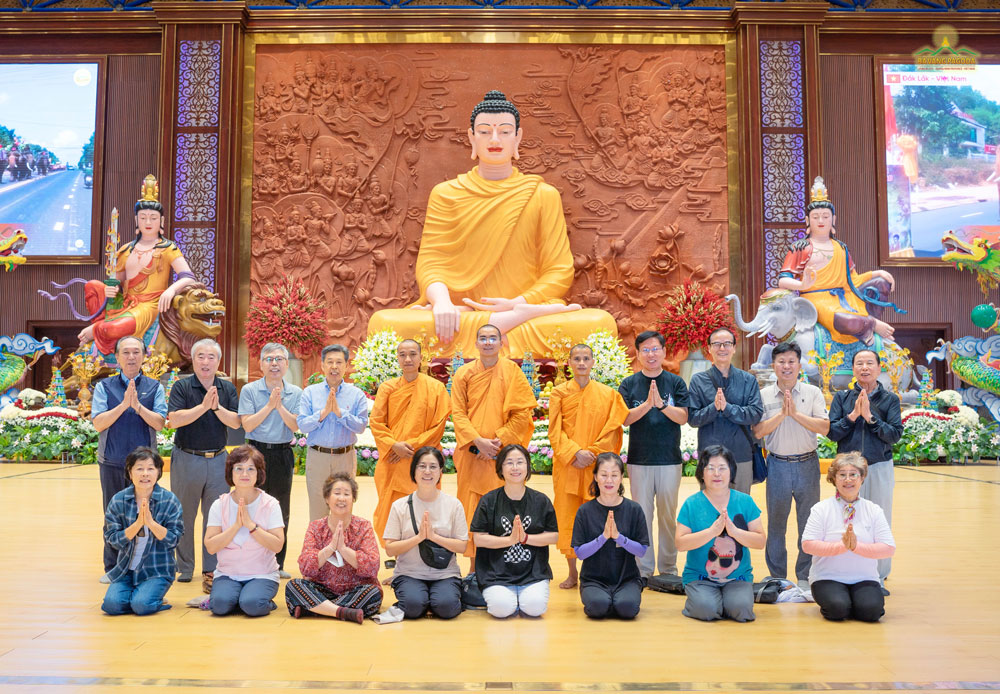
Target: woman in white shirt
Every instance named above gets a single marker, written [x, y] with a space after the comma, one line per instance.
[436, 520]
[847, 535]
[245, 529]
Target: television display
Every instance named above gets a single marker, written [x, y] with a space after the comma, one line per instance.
[942, 128]
[48, 120]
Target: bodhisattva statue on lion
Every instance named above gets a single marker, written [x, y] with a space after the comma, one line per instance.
[169, 316]
[821, 302]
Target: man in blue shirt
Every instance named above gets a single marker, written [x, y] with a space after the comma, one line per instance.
[127, 410]
[268, 408]
[331, 414]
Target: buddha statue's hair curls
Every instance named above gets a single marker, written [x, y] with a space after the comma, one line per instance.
[495, 102]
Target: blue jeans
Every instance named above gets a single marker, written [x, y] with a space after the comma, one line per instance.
[254, 597]
[125, 597]
[787, 481]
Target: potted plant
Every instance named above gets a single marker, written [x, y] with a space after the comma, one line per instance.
[691, 313]
[288, 314]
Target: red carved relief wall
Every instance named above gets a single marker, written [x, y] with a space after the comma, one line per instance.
[349, 141]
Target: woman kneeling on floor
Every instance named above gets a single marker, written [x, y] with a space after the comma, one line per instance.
[513, 527]
[339, 560]
[847, 535]
[609, 533]
[716, 527]
[424, 531]
[143, 523]
[245, 529]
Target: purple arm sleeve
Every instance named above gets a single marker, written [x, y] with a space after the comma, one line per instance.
[589, 549]
[630, 546]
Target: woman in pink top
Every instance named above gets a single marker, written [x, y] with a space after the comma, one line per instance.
[339, 560]
[245, 529]
[847, 535]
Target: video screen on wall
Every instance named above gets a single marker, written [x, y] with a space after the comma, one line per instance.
[48, 117]
[942, 128]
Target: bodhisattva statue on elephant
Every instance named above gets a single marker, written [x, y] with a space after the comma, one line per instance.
[821, 301]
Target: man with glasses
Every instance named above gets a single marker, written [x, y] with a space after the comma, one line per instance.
[410, 412]
[725, 405]
[794, 413]
[867, 419]
[268, 407]
[491, 407]
[657, 402]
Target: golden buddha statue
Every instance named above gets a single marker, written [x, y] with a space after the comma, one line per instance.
[494, 250]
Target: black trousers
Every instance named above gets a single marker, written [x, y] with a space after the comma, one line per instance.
[113, 480]
[839, 601]
[600, 601]
[278, 483]
[414, 596]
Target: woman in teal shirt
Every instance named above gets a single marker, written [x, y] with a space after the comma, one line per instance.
[716, 527]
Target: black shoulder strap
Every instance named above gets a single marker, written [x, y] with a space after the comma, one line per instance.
[413, 518]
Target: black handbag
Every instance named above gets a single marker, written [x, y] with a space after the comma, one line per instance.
[433, 554]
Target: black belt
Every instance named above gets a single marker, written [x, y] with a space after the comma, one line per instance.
[798, 458]
[203, 454]
[260, 445]
[332, 451]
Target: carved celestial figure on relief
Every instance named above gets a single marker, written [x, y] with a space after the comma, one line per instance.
[494, 250]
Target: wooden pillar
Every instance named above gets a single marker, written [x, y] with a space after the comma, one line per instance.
[780, 148]
[201, 94]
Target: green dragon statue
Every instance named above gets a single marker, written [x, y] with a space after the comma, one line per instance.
[977, 249]
[11, 242]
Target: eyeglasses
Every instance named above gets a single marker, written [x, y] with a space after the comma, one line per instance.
[514, 463]
[433, 467]
[244, 469]
[722, 345]
[651, 350]
[273, 360]
[848, 475]
[488, 340]
[714, 470]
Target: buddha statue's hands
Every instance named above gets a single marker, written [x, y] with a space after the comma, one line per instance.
[495, 303]
[446, 314]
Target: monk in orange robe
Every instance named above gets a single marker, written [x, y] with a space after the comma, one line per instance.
[409, 412]
[494, 249]
[585, 420]
[491, 406]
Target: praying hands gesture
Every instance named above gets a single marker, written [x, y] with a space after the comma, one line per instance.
[720, 400]
[517, 533]
[211, 399]
[274, 400]
[331, 406]
[654, 398]
[849, 539]
[788, 405]
[610, 529]
[862, 408]
[426, 531]
[243, 518]
[131, 398]
[145, 520]
[721, 523]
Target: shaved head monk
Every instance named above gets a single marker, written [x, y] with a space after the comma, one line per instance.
[585, 420]
[409, 413]
[491, 406]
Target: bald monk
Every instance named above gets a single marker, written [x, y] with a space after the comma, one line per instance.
[491, 406]
[585, 420]
[410, 412]
[494, 249]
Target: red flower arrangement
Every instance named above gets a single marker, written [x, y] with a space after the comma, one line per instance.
[691, 313]
[287, 314]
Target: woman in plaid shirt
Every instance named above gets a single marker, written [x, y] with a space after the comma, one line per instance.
[143, 523]
[339, 560]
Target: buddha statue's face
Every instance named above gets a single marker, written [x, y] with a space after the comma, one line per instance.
[149, 223]
[495, 138]
[821, 222]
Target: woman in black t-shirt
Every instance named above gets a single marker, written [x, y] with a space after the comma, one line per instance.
[608, 535]
[513, 527]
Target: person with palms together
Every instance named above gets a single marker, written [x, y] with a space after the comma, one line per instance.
[610, 583]
[339, 560]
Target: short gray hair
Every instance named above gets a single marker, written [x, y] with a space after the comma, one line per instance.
[335, 348]
[206, 342]
[274, 347]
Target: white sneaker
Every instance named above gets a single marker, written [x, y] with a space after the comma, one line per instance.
[104, 579]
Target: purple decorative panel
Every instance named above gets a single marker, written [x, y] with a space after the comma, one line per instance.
[196, 177]
[198, 84]
[784, 178]
[777, 243]
[781, 84]
[198, 246]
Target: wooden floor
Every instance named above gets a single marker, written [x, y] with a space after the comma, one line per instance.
[941, 631]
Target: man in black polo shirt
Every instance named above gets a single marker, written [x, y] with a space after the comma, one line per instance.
[657, 402]
[201, 407]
